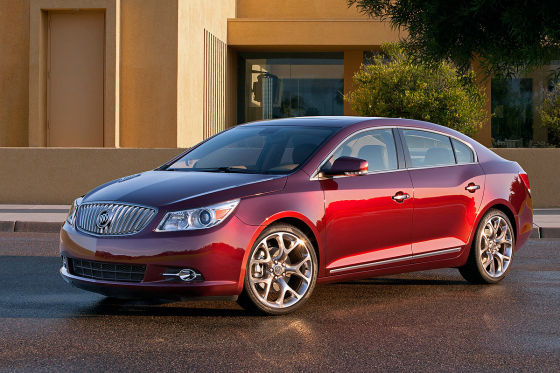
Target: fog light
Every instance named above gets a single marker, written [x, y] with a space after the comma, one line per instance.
[186, 275]
[65, 262]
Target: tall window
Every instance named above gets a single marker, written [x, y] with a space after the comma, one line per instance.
[512, 105]
[515, 120]
[278, 85]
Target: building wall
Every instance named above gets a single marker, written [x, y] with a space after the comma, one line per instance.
[149, 63]
[14, 72]
[59, 175]
[197, 17]
[295, 9]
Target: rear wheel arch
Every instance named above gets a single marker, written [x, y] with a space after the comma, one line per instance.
[506, 210]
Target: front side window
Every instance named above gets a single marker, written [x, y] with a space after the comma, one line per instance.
[428, 149]
[377, 147]
[263, 149]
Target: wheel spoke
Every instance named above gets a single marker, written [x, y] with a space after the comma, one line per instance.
[501, 236]
[267, 289]
[490, 233]
[281, 246]
[502, 257]
[486, 263]
[499, 262]
[495, 225]
[296, 270]
[283, 289]
[262, 254]
[492, 270]
[484, 245]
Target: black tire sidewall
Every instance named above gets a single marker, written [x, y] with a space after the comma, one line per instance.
[248, 292]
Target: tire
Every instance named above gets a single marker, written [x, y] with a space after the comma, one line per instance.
[492, 250]
[279, 281]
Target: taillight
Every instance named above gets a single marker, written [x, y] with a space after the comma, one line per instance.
[525, 179]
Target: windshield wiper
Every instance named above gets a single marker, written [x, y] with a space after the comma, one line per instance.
[215, 169]
[226, 170]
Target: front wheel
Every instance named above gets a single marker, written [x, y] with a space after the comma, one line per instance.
[281, 271]
[492, 250]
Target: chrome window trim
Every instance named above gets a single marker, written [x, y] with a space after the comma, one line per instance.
[76, 226]
[315, 174]
[395, 260]
[444, 134]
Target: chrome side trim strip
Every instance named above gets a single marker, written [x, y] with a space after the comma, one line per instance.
[373, 264]
[437, 252]
[396, 260]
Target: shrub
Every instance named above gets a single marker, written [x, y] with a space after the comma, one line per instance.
[395, 85]
[549, 111]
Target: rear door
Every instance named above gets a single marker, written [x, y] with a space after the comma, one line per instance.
[366, 228]
[448, 189]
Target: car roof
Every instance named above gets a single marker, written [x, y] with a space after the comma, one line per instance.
[326, 121]
[354, 121]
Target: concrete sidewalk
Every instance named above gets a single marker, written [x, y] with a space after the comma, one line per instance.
[49, 218]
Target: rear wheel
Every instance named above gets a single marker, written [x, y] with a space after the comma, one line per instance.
[492, 250]
[281, 271]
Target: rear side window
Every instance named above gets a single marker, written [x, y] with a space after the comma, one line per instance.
[428, 149]
[463, 153]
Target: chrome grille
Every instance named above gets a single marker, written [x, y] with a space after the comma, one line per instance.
[107, 271]
[118, 219]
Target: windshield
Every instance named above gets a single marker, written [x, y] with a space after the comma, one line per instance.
[266, 149]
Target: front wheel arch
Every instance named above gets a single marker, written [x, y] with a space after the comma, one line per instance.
[291, 218]
[302, 226]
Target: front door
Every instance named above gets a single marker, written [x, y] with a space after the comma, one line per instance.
[366, 227]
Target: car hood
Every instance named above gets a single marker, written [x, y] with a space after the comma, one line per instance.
[174, 188]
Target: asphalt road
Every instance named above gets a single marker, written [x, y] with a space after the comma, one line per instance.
[426, 321]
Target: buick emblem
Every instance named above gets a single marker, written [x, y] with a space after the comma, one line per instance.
[103, 219]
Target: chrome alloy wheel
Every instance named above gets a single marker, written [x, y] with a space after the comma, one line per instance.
[496, 246]
[281, 270]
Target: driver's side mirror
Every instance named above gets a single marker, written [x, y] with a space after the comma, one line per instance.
[346, 166]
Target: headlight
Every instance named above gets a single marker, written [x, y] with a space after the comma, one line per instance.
[71, 218]
[204, 217]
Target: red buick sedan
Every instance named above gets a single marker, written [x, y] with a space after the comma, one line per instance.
[264, 211]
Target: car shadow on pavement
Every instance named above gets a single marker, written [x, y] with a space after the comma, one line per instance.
[161, 307]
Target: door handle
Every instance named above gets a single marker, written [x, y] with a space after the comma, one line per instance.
[400, 197]
[472, 187]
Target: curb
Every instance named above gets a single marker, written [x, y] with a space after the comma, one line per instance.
[545, 232]
[30, 226]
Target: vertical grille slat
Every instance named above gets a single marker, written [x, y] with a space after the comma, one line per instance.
[126, 224]
[121, 219]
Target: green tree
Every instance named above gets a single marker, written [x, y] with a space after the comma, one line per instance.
[395, 85]
[507, 35]
[549, 112]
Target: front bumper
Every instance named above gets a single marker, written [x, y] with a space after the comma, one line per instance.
[217, 253]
